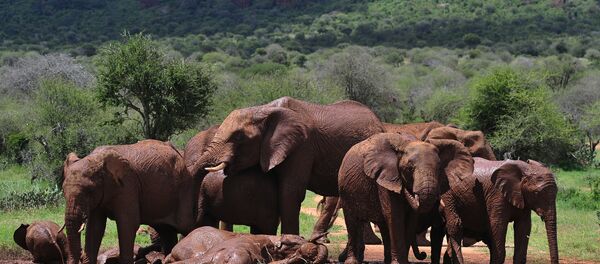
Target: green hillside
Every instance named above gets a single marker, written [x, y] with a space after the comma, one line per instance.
[524, 27]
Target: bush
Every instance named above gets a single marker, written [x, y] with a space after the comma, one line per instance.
[24, 76]
[35, 198]
[519, 117]
[267, 68]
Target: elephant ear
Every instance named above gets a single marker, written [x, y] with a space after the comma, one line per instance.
[507, 180]
[477, 144]
[381, 164]
[455, 160]
[19, 236]
[284, 131]
[116, 166]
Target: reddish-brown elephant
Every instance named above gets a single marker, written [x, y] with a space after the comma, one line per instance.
[499, 192]
[389, 179]
[210, 245]
[301, 143]
[247, 198]
[142, 183]
[474, 141]
[44, 240]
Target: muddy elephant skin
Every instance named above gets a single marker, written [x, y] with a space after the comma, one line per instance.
[143, 183]
[497, 193]
[210, 245]
[389, 179]
[247, 198]
[301, 143]
[43, 240]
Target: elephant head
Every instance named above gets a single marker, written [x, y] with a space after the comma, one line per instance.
[532, 186]
[402, 164]
[83, 188]
[265, 134]
[20, 236]
[293, 249]
[474, 140]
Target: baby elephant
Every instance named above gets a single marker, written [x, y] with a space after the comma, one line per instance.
[43, 240]
[210, 245]
[248, 198]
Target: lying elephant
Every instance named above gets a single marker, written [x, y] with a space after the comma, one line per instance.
[44, 240]
[210, 245]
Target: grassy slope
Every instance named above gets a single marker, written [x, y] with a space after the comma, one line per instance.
[578, 228]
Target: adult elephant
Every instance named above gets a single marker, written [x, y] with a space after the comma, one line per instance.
[301, 143]
[499, 192]
[474, 141]
[142, 183]
[247, 198]
[389, 179]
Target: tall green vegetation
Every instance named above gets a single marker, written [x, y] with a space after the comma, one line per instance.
[166, 95]
[518, 115]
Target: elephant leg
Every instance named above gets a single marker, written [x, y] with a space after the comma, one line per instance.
[93, 236]
[385, 237]
[126, 230]
[437, 236]
[369, 235]
[522, 230]
[498, 223]
[394, 213]
[453, 227]
[355, 246]
[168, 238]
[293, 174]
[327, 216]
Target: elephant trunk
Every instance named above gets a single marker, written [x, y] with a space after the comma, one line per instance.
[73, 222]
[550, 221]
[426, 190]
[322, 255]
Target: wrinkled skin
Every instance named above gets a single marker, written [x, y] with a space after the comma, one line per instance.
[142, 183]
[389, 179]
[327, 215]
[301, 143]
[43, 240]
[504, 191]
[477, 146]
[210, 245]
[247, 198]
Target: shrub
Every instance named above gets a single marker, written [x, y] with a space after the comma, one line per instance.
[519, 117]
[24, 76]
[35, 198]
[267, 68]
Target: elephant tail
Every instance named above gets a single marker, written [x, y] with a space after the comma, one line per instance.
[415, 248]
[53, 238]
[321, 205]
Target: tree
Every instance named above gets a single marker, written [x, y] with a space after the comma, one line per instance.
[168, 95]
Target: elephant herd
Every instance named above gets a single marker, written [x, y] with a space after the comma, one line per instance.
[255, 168]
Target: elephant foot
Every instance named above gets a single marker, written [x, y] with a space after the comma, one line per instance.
[351, 260]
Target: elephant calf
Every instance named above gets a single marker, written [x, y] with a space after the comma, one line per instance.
[210, 245]
[249, 198]
[43, 240]
[499, 192]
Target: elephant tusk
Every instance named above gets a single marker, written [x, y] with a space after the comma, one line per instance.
[81, 228]
[216, 168]
[412, 201]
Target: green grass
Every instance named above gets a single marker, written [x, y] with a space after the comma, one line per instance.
[578, 229]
